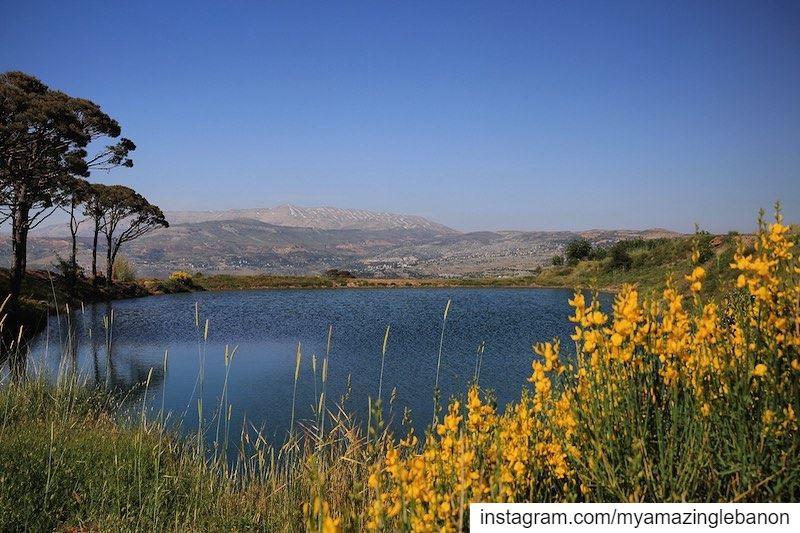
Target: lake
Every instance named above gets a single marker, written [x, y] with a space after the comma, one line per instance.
[266, 326]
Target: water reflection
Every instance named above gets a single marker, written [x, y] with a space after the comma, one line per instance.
[120, 344]
[81, 345]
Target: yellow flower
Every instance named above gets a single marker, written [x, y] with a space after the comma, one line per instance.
[373, 481]
[180, 275]
[696, 278]
[331, 525]
[760, 370]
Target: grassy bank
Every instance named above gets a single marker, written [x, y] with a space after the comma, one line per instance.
[44, 292]
[222, 282]
[70, 460]
[47, 291]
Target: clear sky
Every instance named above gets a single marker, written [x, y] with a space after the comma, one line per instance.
[479, 115]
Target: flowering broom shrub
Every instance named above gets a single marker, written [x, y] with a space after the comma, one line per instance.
[668, 399]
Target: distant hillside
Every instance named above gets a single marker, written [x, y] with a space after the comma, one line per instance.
[396, 245]
[326, 218]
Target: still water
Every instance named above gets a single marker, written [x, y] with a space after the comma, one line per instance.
[265, 328]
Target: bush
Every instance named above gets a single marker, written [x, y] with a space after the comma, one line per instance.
[558, 260]
[180, 276]
[620, 258]
[704, 247]
[577, 250]
[178, 281]
[124, 269]
[337, 273]
[598, 254]
[66, 269]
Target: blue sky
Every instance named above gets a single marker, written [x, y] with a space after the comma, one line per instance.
[480, 115]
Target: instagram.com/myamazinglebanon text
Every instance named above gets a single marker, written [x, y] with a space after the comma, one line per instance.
[599, 517]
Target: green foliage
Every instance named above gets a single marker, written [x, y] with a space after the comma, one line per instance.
[67, 269]
[124, 269]
[620, 258]
[598, 253]
[126, 215]
[557, 260]
[704, 245]
[577, 250]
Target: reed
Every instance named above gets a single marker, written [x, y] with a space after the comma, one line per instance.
[478, 362]
[383, 360]
[436, 391]
[297, 358]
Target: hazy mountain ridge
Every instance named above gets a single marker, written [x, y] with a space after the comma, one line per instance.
[365, 242]
[316, 217]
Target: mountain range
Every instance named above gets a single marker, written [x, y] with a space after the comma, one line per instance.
[309, 240]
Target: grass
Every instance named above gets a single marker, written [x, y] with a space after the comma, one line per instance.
[68, 462]
[71, 461]
[218, 282]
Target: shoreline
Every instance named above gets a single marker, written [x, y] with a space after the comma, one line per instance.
[46, 293]
[263, 282]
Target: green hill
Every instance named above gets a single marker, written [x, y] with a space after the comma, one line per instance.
[647, 263]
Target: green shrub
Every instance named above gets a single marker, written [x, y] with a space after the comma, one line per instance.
[124, 269]
[620, 258]
[577, 250]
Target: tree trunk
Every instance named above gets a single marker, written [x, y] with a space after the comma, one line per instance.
[109, 261]
[94, 250]
[73, 258]
[19, 245]
[19, 249]
[114, 253]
